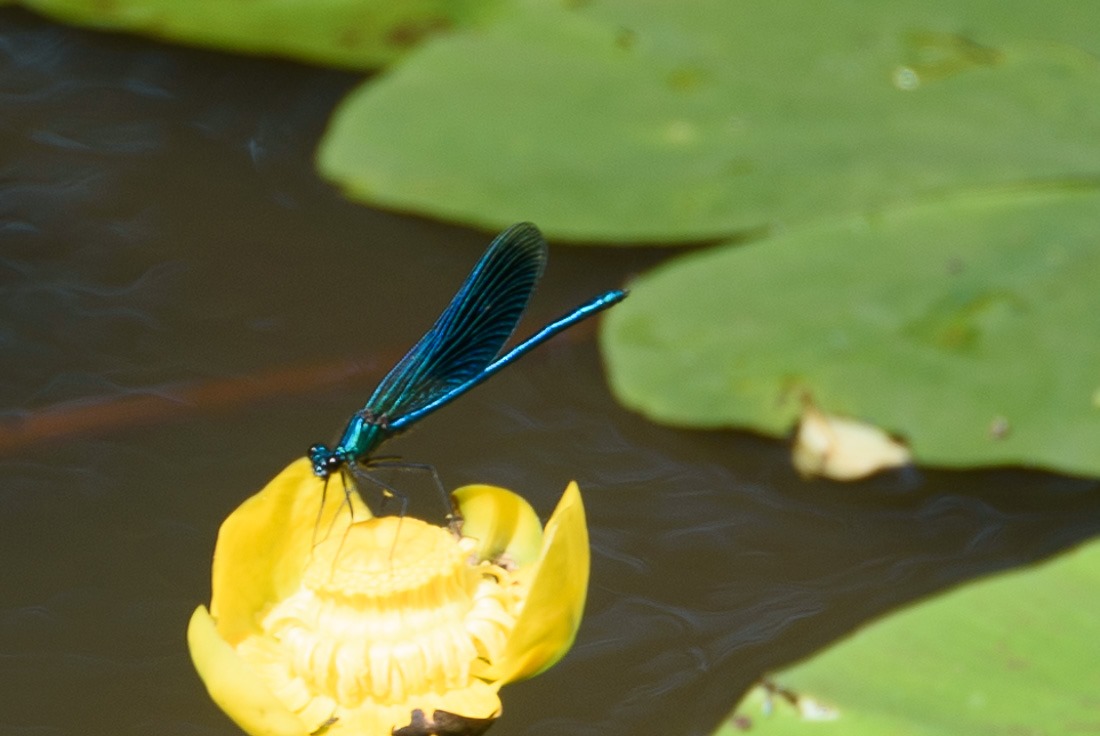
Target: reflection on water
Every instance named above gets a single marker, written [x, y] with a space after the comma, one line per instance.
[165, 243]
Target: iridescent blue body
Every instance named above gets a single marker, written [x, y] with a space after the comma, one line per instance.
[461, 350]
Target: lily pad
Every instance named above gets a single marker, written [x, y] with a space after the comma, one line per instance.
[358, 34]
[1015, 654]
[651, 121]
[969, 327]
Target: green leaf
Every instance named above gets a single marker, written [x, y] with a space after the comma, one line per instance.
[969, 327]
[351, 33]
[1015, 654]
[656, 121]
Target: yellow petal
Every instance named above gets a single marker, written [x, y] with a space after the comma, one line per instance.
[843, 449]
[264, 545]
[555, 602]
[234, 686]
[501, 522]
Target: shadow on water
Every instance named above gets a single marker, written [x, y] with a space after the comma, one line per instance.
[166, 244]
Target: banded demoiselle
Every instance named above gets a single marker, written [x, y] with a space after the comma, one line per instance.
[462, 349]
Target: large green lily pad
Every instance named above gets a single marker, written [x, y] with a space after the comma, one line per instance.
[359, 34]
[656, 121]
[971, 327]
[1015, 654]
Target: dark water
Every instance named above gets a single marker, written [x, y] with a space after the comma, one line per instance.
[184, 308]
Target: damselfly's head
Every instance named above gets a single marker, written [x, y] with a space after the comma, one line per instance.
[325, 461]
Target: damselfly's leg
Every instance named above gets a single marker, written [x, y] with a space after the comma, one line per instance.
[388, 491]
[453, 515]
[348, 484]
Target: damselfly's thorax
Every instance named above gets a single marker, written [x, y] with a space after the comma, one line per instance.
[374, 419]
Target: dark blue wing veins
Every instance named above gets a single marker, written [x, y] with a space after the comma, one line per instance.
[461, 349]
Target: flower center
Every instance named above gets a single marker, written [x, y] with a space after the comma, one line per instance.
[390, 610]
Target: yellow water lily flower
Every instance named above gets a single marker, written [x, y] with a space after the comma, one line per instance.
[325, 621]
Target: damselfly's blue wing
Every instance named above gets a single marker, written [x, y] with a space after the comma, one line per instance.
[473, 328]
